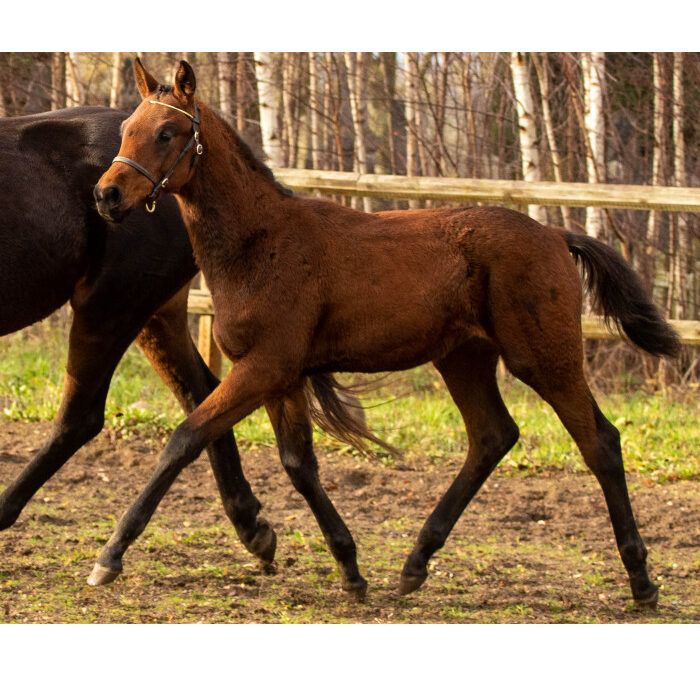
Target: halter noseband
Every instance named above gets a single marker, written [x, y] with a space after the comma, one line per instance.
[160, 184]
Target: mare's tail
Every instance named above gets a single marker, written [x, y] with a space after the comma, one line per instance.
[338, 412]
[620, 295]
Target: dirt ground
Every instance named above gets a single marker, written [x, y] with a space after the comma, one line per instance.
[530, 548]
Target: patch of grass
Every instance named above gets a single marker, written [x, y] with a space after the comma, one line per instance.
[411, 410]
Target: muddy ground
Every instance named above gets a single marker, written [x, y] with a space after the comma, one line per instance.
[530, 548]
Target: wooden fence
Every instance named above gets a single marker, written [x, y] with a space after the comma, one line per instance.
[474, 190]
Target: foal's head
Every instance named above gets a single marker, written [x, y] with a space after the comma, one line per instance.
[160, 145]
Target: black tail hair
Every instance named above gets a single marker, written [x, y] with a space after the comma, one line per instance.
[619, 294]
[329, 403]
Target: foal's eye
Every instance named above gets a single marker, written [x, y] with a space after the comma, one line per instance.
[164, 136]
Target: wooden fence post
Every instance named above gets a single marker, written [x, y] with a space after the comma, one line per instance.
[205, 339]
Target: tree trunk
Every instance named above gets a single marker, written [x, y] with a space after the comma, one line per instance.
[225, 75]
[241, 91]
[388, 61]
[58, 80]
[540, 63]
[267, 96]
[117, 84]
[74, 88]
[356, 69]
[411, 98]
[684, 255]
[527, 129]
[657, 171]
[593, 65]
[317, 113]
[290, 88]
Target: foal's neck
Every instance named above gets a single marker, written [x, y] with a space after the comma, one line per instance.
[230, 198]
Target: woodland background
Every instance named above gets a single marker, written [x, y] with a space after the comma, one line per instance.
[629, 118]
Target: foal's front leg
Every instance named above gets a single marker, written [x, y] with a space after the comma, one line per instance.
[243, 390]
[291, 422]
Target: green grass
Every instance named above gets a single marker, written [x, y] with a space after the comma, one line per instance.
[660, 434]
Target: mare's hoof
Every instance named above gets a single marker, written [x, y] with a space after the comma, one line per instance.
[101, 575]
[357, 590]
[264, 543]
[649, 602]
[411, 582]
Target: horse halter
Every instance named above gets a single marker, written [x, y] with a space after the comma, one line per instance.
[158, 185]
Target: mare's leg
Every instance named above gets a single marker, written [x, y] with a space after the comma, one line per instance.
[244, 389]
[292, 425]
[470, 375]
[95, 348]
[166, 342]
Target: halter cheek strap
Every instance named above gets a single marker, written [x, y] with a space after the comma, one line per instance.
[158, 185]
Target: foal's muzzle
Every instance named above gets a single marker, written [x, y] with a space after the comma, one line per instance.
[109, 202]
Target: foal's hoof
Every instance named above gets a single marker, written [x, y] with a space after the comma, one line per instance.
[102, 575]
[264, 543]
[356, 590]
[411, 582]
[649, 602]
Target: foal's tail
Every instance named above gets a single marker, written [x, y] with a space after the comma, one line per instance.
[338, 412]
[620, 295]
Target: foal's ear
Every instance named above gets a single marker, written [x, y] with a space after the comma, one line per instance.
[145, 82]
[185, 83]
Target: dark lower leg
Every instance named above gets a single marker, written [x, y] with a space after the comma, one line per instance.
[294, 437]
[79, 419]
[241, 392]
[470, 378]
[608, 468]
[166, 342]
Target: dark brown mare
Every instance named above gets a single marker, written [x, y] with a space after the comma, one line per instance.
[123, 283]
[304, 286]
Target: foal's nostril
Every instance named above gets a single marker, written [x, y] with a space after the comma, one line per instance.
[112, 195]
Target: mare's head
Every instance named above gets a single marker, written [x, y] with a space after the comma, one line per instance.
[160, 145]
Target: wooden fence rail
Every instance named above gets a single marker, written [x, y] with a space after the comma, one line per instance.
[508, 192]
[603, 195]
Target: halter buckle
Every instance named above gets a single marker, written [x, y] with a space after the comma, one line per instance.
[152, 207]
[199, 149]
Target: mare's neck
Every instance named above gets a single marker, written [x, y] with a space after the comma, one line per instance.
[229, 199]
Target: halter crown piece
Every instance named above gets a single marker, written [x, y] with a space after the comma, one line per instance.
[158, 185]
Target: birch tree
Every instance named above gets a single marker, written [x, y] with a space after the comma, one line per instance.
[225, 89]
[657, 162]
[356, 68]
[58, 80]
[684, 259]
[75, 94]
[411, 107]
[540, 63]
[317, 113]
[241, 91]
[593, 67]
[527, 129]
[117, 83]
[267, 96]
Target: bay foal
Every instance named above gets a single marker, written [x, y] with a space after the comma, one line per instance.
[303, 286]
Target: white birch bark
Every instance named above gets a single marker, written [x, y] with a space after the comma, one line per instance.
[267, 96]
[356, 66]
[410, 77]
[317, 111]
[684, 254]
[654, 223]
[241, 91]
[225, 76]
[540, 63]
[74, 88]
[593, 66]
[116, 88]
[527, 129]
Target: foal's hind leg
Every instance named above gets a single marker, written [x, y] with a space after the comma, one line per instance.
[166, 341]
[470, 375]
[599, 443]
[292, 425]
